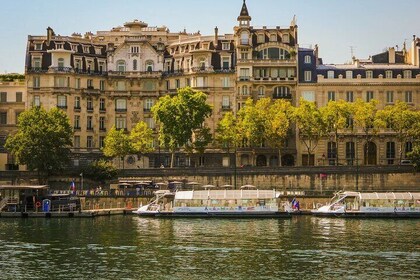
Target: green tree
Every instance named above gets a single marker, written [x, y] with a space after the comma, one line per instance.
[141, 137]
[202, 137]
[335, 116]
[117, 144]
[42, 141]
[309, 121]
[226, 132]
[100, 170]
[277, 124]
[179, 116]
[402, 119]
[365, 118]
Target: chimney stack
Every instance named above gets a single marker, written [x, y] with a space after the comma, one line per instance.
[216, 36]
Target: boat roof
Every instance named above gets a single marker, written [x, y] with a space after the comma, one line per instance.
[22, 187]
[384, 195]
[227, 194]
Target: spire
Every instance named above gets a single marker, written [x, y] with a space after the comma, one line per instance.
[244, 15]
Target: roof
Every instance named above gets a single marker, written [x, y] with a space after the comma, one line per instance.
[388, 195]
[227, 194]
[365, 66]
[244, 13]
[21, 187]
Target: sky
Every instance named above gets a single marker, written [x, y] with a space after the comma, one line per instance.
[337, 26]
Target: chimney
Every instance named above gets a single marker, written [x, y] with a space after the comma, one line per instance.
[216, 36]
[50, 34]
[316, 51]
[391, 55]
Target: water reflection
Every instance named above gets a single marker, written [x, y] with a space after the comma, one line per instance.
[144, 248]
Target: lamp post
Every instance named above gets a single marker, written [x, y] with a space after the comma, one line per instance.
[81, 181]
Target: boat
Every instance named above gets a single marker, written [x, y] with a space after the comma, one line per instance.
[372, 204]
[242, 203]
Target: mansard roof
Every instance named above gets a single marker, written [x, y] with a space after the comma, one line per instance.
[244, 15]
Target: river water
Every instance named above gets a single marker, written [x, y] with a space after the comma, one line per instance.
[130, 247]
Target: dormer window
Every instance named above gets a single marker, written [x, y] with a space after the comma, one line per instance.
[149, 66]
[285, 38]
[388, 74]
[98, 50]
[244, 38]
[38, 46]
[273, 37]
[206, 46]
[121, 66]
[77, 64]
[36, 62]
[307, 59]
[182, 49]
[135, 49]
[407, 74]
[225, 46]
[330, 74]
[202, 63]
[74, 47]
[261, 38]
[86, 49]
[60, 63]
[192, 47]
[59, 46]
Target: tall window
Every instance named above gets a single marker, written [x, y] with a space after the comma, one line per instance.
[225, 102]
[18, 96]
[369, 96]
[308, 59]
[331, 151]
[148, 104]
[331, 96]
[62, 101]
[409, 96]
[76, 122]
[37, 101]
[3, 97]
[102, 85]
[149, 65]
[225, 82]
[77, 83]
[135, 65]
[89, 104]
[244, 90]
[121, 66]
[330, 74]
[102, 123]
[225, 62]
[408, 147]
[101, 142]
[3, 117]
[121, 105]
[89, 123]
[76, 141]
[36, 63]
[308, 76]
[120, 123]
[261, 91]
[244, 74]
[36, 82]
[349, 96]
[390, 152]
[244, 38]
[89, 142]
[150, 122]
[350, 152]
[282, 92]
[390, 97]
[102, 104]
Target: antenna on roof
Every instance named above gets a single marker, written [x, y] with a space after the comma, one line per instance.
[352, 48]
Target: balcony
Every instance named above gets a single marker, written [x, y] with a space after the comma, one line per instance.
[268, 62]
[226, 108]
[282, 96]
[36, 70]
[202, 69]
[244, 78]
[144, 74]
[90, 91]
[274, 79]
[90, 72]
[60, 69]
[173, 73]
[225, 70]
[121, 110]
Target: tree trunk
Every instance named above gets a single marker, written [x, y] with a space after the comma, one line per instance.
[172, 158]
[280, 164]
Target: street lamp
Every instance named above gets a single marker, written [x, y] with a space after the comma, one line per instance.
[81, 181]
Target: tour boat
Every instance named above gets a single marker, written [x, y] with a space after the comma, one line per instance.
[373, 204]
[243, 203]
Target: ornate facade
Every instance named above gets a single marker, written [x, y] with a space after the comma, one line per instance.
[114, 78]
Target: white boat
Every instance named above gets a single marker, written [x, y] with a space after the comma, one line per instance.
[373, 204]
[215, 203]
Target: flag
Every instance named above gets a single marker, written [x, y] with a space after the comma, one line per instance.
[72, 186]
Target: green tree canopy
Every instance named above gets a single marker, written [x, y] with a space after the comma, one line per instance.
[42, 141]
[226, 132]
[141, 137]
[178, 116]
[117, 144]
[100, 171]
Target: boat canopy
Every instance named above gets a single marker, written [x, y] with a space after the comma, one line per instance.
[387, 195]
[227, 194]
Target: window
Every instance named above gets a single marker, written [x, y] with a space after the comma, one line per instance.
[409, 96]
[77, 64]
[225, 62]
[3, 97]
[121, 105]
[60, 63]
[89, 66]
[261, 38]
[37, 101]
[76, 122]
[17, 114]
[308, 76]
[200, 82]
[101, 141]
[36, 63]
[225, 102]
[177, 83]
[89, 142]
[18, 96]
[37, 82]
[331, 96]
[86, 49]
[77, 102]
[225, 82]
[120, 85]
[38, 46]
[349, 122]
[102, 85]
[388, 74]
[350, 152]
[60, 82]
[244, 55]
[369, 96]
[349, 96]
[273, 37]
[407, 74]
[102, 104]
[369, 74]
[285, 38]
[168, 85]
[187, 82]
[408, 147]
[150, 122]
[331, 152]
[135, 65]
[390, 152]
[330, 75]
[102, 123]
[148, 104]
[89, 83]
[121, 66]
[225, 46]
[76, 142]
[261, 91]
[89, 123]
[135, 49]
[3, 117]
[62, 101]
[244, 38]
[282, 92]
[244, 74]
[308, 96]
[349, 74]
[390, 97]
[89, 104]
[244, 90]
[77, 83]
[307, 59]
[120, 123]
[149, 66]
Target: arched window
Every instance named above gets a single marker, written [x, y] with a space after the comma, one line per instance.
[244, 38]
[60, 62]
[121, 66]
[135, 65]
[261, 91]
[282, 92]
[149, 66]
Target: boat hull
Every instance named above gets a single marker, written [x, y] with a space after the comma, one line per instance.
[217, 215]
[369, 214]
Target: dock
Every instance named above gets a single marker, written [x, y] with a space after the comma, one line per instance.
[68, 214]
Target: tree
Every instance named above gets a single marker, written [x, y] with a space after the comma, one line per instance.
[141, 137]
[201, 138]
[100, 170]
[401, 118]
[42, 141]
[335, 116]
[117, 144]
[226, 132]
[311, 125]
[277, 124]
[179, 116]
[365, 117]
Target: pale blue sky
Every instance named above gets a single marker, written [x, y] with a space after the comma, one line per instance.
[368, 25]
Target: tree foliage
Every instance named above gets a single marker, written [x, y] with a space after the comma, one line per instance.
[117, 144]
[178, 116]
[226, 132]
[42, 141]
[141, 137]
[100, 171]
